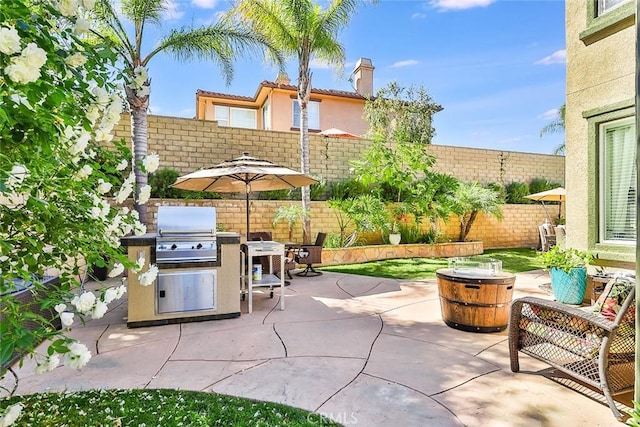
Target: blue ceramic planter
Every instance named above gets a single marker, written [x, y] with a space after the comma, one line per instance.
[569, 288]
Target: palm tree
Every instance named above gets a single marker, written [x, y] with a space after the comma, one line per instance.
[556, 126]
[221, 43]
[470, 200]
[304, 31]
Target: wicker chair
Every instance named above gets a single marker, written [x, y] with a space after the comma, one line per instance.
[595, 345]
[311, 254]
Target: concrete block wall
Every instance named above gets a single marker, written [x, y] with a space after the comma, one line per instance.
[188, 145]
[518, 229]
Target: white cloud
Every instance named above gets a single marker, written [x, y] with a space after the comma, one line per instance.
[551, 114]
[317, 63]
[172, 13]
[204, 4]
[419, 15]
[557, 57]
[406, 63]
[443, 5]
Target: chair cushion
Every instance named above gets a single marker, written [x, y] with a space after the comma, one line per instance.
[610, 302]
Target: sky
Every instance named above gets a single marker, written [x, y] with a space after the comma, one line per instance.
[497, 67]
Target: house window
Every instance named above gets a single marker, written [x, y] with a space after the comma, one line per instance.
[313, 113]
[617, 181]
[266, 115]
[605, 6]
[236, 117]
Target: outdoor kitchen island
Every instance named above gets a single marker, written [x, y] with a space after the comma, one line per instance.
[202, 290]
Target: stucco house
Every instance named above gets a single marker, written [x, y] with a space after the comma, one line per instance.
[600, 129]
[275, 107]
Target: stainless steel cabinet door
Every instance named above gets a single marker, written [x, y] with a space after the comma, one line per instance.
[188, 290]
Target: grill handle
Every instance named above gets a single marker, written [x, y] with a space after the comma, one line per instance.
[167, 232]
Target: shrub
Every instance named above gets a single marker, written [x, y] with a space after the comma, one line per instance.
[539, 184]
[162, 180]
[346, 189]
[516, 192]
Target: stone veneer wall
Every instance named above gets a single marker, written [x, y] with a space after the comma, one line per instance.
[517, 229]
[188, 145]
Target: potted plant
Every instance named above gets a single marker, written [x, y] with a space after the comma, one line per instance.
[291, 214]
[568, 269]
[394, 234]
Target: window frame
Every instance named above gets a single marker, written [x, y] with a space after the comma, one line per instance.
[603, 175]
[297, 116]
[595, 117]
[229, 119]
[610, 22]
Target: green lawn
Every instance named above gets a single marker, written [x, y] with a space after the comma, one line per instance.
[513, 260]
[155, 408]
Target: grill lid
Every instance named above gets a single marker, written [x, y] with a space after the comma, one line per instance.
[186, 221]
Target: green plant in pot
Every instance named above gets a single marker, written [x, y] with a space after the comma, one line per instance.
[568, 269]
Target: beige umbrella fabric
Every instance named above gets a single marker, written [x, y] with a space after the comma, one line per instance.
[337, 133]
[558, 194]
[244, 174]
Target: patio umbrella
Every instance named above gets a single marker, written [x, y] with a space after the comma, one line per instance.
[558, 194]
[337, 133]
[244, 174]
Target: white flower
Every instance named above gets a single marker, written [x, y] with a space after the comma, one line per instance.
[149, 276]
[20, 72]
[59, 308]
[34, 56]
[84, 303]
[82, 26]
[9, 40]
[17, 175]
[68, 7]
[117, 270]
[120, 290]
[143, 91]
[151, 162]
[104, 187]
[88, 4]
[123, 193]
[84, 172]
[93, 113]
[77, 356]
[103, 135]
[110, 294]
[99, 310]
[140, 263]
[66, 319]
[139, 228]
[48, 364]
[145, 193]
[76, 60]
[122, 165]
[101, 94]
[140, 76]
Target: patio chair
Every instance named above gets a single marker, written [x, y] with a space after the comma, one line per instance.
[595, 345]
[309, 255]
[546, 239]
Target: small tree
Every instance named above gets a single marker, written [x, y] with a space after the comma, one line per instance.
[469, 201]
[291, 214]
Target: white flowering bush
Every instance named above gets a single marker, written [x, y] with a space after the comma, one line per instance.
[62, 179]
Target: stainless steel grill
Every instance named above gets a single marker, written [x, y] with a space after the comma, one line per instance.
[186, 234]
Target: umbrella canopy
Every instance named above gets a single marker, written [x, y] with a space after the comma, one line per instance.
[337, 133]
[244, 174]
[558, 194]
[554, 195]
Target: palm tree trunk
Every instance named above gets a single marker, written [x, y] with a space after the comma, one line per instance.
[304, 93]
[139, 130]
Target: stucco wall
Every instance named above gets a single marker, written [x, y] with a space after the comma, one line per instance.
[188, 145]
[599, 76]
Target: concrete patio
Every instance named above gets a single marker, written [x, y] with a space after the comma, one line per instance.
[360, 350]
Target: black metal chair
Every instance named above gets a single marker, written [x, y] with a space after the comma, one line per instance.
[311, 254]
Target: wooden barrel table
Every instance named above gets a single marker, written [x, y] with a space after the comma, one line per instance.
[475, 303]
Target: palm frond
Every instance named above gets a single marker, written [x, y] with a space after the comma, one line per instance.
[140, 11]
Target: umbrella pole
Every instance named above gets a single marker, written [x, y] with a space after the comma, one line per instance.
[247, 212]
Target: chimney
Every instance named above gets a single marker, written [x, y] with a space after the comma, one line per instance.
[363, 77]
[283, 78]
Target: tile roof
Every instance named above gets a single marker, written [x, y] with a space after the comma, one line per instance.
[268, 84]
